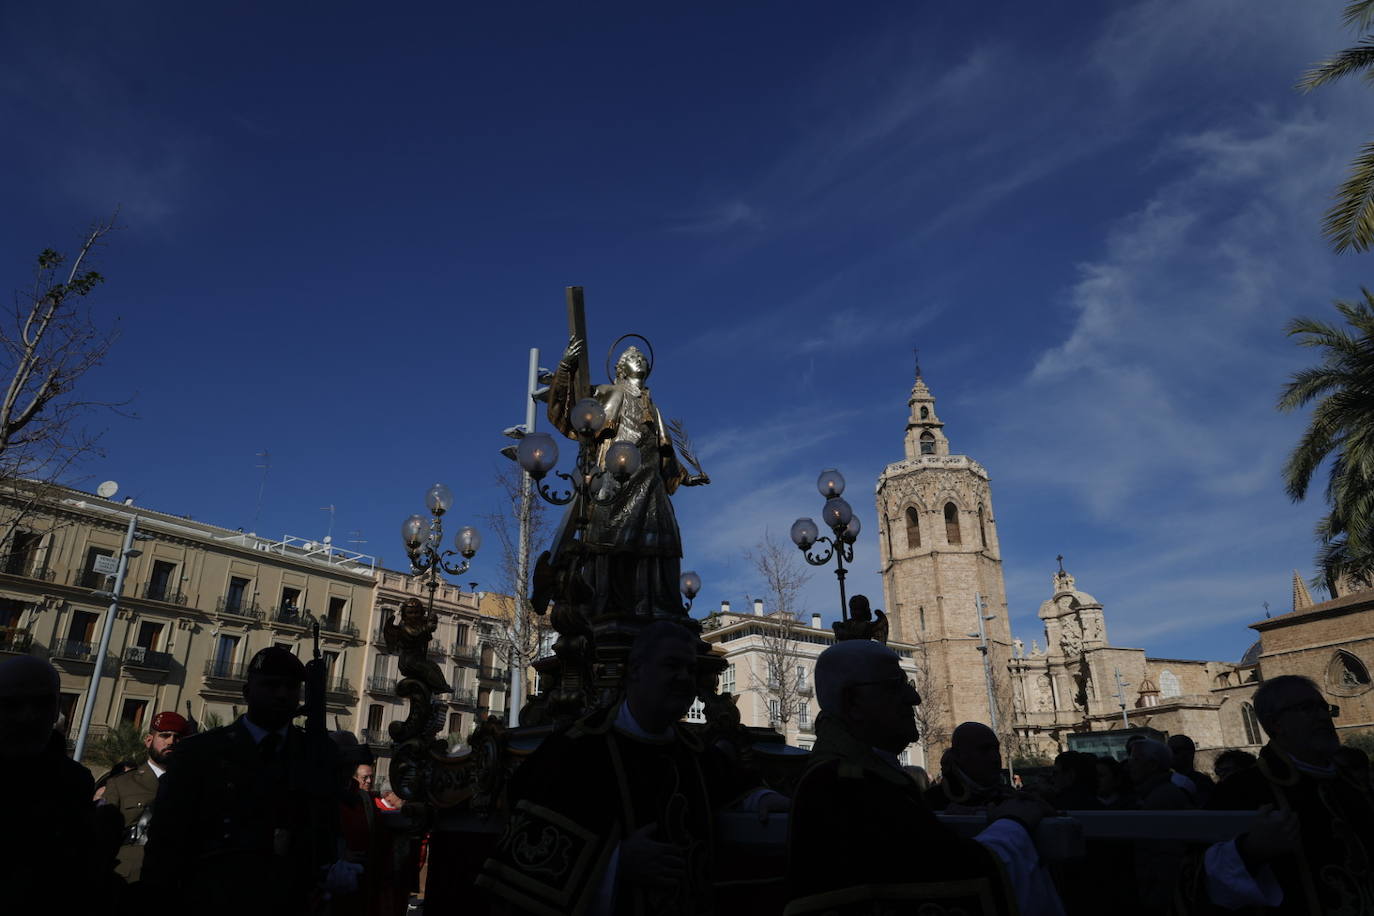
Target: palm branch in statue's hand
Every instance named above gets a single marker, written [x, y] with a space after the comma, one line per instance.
[683, 443]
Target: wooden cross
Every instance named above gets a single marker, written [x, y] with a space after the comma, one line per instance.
[577, 327]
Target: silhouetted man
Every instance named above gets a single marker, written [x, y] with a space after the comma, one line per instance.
[861, 833]
[970, 771]
[47, 837]
[246, 816]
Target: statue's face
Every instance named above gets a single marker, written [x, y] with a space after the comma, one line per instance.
[633, 364]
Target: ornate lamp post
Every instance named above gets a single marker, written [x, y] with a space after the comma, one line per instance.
[690, 583]
[839, 517]
[423, 541]
[538, 453]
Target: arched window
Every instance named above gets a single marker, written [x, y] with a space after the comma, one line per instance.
[952, 524]
[982, 528]
[927, 443]
[925, 413]
[922, 609]
[1169, 685]
[1346, 675]
[913, 528]
[1252, 727]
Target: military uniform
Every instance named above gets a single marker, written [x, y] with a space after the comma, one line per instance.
[243, 826]
[132, 793]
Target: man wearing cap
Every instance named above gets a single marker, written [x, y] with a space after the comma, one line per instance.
[246, 817]
[132, 793]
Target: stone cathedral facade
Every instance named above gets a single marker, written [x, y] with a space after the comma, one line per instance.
[942, 570]
[941, 565]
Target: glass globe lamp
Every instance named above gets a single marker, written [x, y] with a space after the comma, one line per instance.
[413, 532]
[830, 483]
[588, 417]
[537, 454]
[439, 499]
[837, 513]
[691, 584]
[467, 540]
[622, 461]
[804, 533]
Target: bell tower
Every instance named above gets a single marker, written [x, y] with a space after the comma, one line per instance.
[940, 559]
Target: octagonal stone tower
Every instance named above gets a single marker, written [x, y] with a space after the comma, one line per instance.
[939, 557]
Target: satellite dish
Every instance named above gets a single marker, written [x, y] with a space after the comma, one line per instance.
[107, 489]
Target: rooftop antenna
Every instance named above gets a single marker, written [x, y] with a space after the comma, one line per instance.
[356, 536]
[266, 466]
[329, 535]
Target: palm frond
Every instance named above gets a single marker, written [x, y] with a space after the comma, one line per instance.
[678, 431]
[1358, 14]
[1349, 61]
[1350, 221]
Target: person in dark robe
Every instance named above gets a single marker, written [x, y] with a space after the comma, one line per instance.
[1184, 751]
[1309, 850]
[1075, 782]
[1231, 762]
[862, 838]
[49, 846]
[246, 816]
[616, 815]
[970, 772]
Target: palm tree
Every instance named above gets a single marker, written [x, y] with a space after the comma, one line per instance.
[1341, 428]
[1350, 221]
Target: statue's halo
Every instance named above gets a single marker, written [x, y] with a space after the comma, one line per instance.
[610, 373]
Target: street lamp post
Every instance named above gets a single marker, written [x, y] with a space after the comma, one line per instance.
[126, 553]
[844, 526]
[423, 541]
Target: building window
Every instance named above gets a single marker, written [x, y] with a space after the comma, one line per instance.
[1169, 685]
[913, 528]
[1252, 727]
[81, 630]
[1349, 671]
[922, 611]
[149, 634]
[23, 550]
[803, 713]
[727, 679]
[462, 638]
[801, 677]
[952, 524]
[774, 711]
[290, 600]
[233, 600]
[90, 578]
[374, 717]
[455, 724]
[66, 712]
[336, 612]
[132, 713]
[225, 650]
[982, 528]
[697, 711]
[927, 443]
[160, 582]
[925, 413]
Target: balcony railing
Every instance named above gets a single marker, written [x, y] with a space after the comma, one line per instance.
[163, 591]
[384, 685]
[493, 673]
[339, 687]
[226, 671]
[23, 565]
[238, 608]
[436, 652]
[804, 688]
[13, 639]
[73, 649]
[139, 657]
[291, 615]
[465, 653]
[341, 627]
[463, 698]
[376, 737]
[806, 727]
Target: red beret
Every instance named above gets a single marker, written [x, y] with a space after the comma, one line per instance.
[170, 722]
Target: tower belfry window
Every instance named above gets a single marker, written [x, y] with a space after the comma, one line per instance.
[927, 442]
[982, 528]
[952, 535]
[913, 528]
[925, 413]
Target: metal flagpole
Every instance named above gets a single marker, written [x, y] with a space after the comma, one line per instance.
[517, 668]
[1121, 697]
[982, 635]
[88, 711]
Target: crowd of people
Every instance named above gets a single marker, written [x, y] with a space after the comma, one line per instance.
[617, 814]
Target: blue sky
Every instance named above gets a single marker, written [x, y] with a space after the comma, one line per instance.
[344, 228]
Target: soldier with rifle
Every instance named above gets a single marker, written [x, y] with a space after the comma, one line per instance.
[246, 818]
